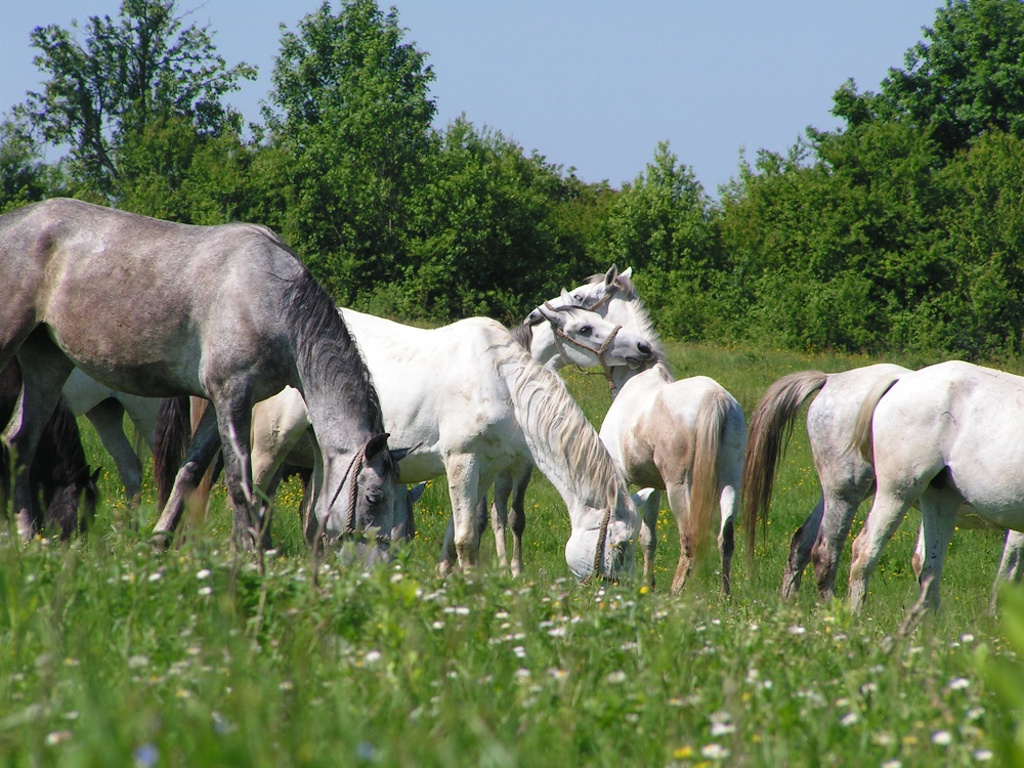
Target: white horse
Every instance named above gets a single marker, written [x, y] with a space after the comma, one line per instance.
[686, 437]
[946, 435]
[488, 408]
[555, 338]
[847, 478]
[106, 408]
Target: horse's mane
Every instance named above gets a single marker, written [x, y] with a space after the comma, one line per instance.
[564, 444]
[326, 353]
[522, 333]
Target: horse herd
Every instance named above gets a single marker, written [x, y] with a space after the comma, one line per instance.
[108, 311]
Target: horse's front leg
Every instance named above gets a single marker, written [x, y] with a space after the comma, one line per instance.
[1009, 566]
[464, 489]
[107, 417]
[517, 515]
[234, 420]
[649, 501]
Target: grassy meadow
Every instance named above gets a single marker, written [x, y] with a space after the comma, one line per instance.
[113, 655]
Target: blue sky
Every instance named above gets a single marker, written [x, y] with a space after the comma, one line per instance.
[590, 85]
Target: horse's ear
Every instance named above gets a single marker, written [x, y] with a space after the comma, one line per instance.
[375, 445]
[95, 476]
[610, 275]
[557, 319]
[415, 491]
[627, 273]
[400, 453]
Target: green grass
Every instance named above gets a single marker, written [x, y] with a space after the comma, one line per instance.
[111, 654]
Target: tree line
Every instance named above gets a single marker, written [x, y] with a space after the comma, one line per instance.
[902, 231]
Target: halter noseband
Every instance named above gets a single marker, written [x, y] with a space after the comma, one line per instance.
[561, 337]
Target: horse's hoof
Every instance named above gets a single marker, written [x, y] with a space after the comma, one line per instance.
[160, 541]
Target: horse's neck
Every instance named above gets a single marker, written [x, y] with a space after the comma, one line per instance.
[564, 445]
[657, 374]
[336, 384]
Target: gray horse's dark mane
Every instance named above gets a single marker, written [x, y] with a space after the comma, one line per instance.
[326, 352]
[522, 333]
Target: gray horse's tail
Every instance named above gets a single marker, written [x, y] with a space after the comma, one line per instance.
[862, 434]
[173, 433]
[771, 427]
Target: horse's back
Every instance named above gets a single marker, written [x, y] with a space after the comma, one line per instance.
[139, 302]
[958, 417]
[438, 387]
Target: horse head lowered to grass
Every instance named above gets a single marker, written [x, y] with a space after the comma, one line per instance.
[161, 309]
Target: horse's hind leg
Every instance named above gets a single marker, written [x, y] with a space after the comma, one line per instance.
[832, 535]
[499, 515]
[679, 501]
[44, 369]
[108, 419]
[938, 519]
[887, 512]
[1009, 566]
[800, 551]
[727, 534]
[198, 456]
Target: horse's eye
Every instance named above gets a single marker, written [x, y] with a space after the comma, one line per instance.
[586, 330]
[578, 298]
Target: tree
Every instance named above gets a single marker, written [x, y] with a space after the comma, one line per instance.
[144, 66]
[486, 232]
[662, 226]
[965, 78]
[24, 178]
[350, 105]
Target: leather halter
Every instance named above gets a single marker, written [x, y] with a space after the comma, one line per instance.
[602, 542]
[561, 338]
[354, 468]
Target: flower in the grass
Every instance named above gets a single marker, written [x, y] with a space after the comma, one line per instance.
[714, 751]
[942, 738]
[203, 574]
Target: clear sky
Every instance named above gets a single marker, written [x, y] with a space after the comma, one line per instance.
[593, 85]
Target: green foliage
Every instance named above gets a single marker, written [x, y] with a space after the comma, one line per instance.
[485, 231]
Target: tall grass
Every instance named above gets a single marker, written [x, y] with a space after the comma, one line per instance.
[111, 654]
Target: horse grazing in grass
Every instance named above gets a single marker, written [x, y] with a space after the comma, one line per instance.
[160, 309]
[63, 489]
[490, 408]
[557, 337]
[847, 478]
[943, 436]
[686, 437]
[106, 408]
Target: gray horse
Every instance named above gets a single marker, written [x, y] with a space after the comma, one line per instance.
[161, 309]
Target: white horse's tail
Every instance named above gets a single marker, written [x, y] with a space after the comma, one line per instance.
[709, 431]
[862, 434]
[771, 427]
[565, 446]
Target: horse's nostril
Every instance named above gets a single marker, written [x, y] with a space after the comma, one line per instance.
[644, 348]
